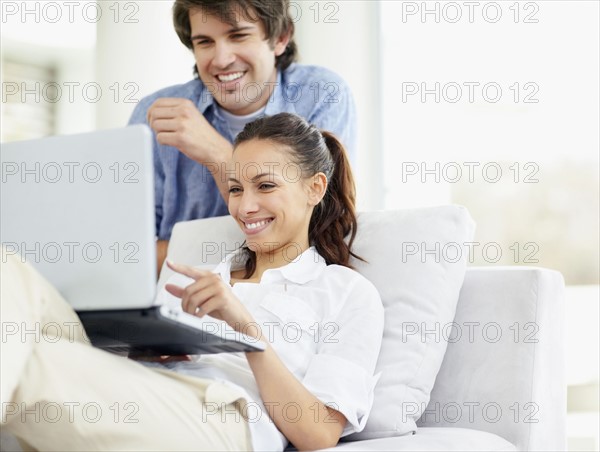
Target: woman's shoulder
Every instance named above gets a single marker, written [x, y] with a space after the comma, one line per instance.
[345, 273]
[350, 285]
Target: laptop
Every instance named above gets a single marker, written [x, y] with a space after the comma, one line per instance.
[80, 209]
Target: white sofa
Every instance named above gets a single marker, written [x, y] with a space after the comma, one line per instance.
[526, 380]
[491, 379]
[490, 393]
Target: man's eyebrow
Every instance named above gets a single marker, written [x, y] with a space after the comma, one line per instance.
[234, 29]
[254, 179]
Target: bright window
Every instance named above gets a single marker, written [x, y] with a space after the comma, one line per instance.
[494, 105]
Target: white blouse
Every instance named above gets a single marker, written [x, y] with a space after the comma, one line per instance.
[325, 322]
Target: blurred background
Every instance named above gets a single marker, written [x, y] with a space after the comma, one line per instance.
[492, 105]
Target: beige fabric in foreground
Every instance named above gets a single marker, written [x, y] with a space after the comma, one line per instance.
[59, 393]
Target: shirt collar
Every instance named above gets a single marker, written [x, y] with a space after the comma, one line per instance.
[206, 99]
[305, 268]
[281, 100]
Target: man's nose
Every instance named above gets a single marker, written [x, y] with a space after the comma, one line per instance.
[224, 55]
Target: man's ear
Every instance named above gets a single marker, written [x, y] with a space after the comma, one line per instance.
[282, 42]
[317, 188]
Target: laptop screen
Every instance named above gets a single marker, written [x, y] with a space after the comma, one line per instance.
[80, 209]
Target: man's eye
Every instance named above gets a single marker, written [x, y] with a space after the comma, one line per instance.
[239, 35]
[202, 42]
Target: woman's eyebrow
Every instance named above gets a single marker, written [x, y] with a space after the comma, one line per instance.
[255, 178]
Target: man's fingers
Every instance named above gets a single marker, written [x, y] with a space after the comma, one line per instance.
[163, 113]
[166, 107]
[169, 102]
[165, 125]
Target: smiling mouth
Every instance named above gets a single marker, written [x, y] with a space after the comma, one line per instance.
[232, 77]
[258, 224]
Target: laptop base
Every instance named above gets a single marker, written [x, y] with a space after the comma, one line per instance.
[146, 332]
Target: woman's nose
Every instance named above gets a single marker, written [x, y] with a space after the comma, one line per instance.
[248, 203]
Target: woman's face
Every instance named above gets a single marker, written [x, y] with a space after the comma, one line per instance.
[270, 200]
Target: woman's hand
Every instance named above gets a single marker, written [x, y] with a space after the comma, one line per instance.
[208, 294]
[162, 359]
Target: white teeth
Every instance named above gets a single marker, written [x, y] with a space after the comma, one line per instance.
[257, 224]
[230, 77]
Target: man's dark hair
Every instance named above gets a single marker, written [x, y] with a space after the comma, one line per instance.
[273, 14]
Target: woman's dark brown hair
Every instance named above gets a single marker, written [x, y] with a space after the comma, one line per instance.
[273, 14]
[314, 151]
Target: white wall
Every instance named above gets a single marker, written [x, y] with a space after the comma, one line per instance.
[344, 36]
[66, 46]
[140, 53]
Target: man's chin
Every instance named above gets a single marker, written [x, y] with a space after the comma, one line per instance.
[239, 108]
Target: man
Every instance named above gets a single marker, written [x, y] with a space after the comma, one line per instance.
[245, 53]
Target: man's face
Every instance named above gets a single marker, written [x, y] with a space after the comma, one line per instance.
[235, 62]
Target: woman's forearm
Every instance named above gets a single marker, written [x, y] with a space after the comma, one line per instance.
[300, 416]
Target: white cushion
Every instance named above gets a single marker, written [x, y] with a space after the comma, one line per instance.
[419, 292]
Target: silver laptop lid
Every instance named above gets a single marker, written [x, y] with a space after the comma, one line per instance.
[80, 209]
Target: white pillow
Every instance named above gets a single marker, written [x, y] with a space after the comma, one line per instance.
[417, 260]
[419, 293]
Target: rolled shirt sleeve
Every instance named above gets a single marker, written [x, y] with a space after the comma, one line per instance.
[341, 374]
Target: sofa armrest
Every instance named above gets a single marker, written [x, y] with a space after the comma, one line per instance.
[504, 369]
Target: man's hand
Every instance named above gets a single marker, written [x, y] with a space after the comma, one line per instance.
[178, 123]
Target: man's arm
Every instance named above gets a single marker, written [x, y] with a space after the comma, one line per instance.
[161, 254]
[340, 119]
[139, 117]
[329, 104]
[178, 123]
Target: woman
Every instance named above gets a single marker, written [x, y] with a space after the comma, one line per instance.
[291, 286]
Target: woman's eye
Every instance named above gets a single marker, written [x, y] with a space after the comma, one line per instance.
[266, 186]
[234, 190]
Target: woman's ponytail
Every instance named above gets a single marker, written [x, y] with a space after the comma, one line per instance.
[334, 218]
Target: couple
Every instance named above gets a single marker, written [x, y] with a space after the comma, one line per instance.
[245, 65]
[294, 268]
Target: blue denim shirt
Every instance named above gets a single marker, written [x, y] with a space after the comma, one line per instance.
[185, 190]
